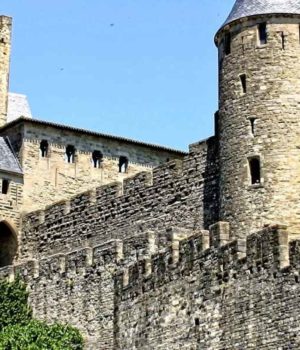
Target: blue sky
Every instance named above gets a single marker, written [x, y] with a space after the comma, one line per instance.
[143, 69]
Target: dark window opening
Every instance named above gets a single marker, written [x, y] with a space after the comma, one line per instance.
[252, 124]
[254, 164]
[282, 40]
[243, 78]
[97, 159]
[197, 322]
[44, 148]
[5, 186]
[262, 33]
[8, 245]
[70, 153]
[227, 44]
[123, 164]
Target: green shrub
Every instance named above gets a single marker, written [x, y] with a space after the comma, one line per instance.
[37, 336]
[18, 331]
[13, 304]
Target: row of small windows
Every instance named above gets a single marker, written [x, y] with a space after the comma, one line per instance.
[97, 156]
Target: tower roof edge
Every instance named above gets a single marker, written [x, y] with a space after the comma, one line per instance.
[248, 8]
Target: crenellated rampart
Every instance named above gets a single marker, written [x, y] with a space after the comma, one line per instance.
[183, 251]
[129, 263]
[77, 288]
[215, 290]
[177, 193]
[210, 291]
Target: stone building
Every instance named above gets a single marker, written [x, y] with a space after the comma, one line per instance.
[145, 247]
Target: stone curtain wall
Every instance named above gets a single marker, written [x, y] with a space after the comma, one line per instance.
[77, 288]
[183, 193]
[50, 179]
[179, 289]
[5, 47]
[272, 98]
[217, 298]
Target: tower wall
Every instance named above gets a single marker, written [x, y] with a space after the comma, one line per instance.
[5, 46]
[262, 123]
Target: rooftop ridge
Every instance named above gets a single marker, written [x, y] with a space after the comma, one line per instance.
[89, 132]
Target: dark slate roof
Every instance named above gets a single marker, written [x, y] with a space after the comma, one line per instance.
[89, 132]
[8, 161]
[245, 8]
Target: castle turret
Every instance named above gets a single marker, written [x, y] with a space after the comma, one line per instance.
[259, 115]
[5, 45]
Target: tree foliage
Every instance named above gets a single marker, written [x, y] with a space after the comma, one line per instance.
[13, 304]
[18, 331]
[36, 335]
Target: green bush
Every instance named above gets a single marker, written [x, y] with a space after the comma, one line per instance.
[13, 304]
[37, 336]
[18, 331]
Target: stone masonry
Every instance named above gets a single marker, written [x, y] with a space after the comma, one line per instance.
[5, 45]
[51, 178]
[177, 250]
[271, 105]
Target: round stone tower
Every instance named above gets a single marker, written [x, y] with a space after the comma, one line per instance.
[259, 115]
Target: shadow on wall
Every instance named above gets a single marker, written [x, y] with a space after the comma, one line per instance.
[211, 184]
[8, 244]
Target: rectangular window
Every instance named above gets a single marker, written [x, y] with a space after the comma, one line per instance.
[254, 167]
[262, 33]
[227, 44]
[70, 154]
[44, 148]
[5, 186]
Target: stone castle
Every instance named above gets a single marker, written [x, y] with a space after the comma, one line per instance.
[145, 247]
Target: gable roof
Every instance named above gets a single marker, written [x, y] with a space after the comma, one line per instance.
[8, 160]
[246, 8]
[91, 133]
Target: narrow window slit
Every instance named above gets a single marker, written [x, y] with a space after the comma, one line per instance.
[262, 33]
[227, 44]
[243, 44]
[282, 40]
[252, 124]
[254, 165]
[243, 78]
